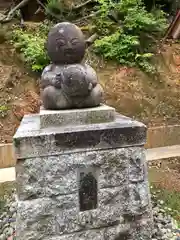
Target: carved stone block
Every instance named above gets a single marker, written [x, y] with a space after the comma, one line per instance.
[82, 182]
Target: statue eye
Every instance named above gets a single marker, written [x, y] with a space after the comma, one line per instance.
[74, 41]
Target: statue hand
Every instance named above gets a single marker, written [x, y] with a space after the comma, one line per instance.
[57, 81]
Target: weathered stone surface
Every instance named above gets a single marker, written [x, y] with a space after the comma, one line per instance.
[44, 218]
[99, 114]
[40, 219]
[67, 83]
[142, 229]
[31, 141]
[39, 212]
[138, 198]
[60, 172]
[137, 167]
[66, 44]
[110, 233]
[113, 196]
[119, 232]
[89, 183]
[70, 86]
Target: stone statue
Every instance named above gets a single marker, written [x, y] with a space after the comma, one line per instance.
[67, 83]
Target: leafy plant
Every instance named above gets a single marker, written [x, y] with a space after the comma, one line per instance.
[60, 10]
[3, 111]
[118, 46]
[32, 47]
[44, 27]
[171, 200]
[128, 33]
[55, 6]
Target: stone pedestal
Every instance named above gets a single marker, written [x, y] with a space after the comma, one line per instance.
[82, 181]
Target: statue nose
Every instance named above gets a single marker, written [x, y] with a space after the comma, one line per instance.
[69, 45]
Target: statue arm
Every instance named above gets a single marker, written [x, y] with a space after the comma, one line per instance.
[91, 76]
[47, 77]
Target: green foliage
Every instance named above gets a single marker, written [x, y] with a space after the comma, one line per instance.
[171, 199]
[55, 6]
[44, 27]
[3, 111]
[31, 45]
[124, 47]
[130, 38]
[59, 10]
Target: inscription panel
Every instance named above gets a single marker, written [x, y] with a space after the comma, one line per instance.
[88, 188]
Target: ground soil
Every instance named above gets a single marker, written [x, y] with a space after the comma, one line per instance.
[165, 174]
[155, 100]
[18, 92]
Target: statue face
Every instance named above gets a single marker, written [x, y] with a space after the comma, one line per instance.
[66, 44]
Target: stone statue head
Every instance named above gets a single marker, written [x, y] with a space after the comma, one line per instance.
[66, 44]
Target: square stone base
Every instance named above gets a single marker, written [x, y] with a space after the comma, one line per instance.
[101, 114]
[81, 175]
[49, 196]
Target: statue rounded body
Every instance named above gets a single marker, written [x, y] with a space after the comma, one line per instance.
[67, 83]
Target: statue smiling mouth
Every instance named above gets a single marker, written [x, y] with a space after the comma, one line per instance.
[69, 51]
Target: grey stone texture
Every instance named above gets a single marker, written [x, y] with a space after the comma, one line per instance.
[48, 184]
[70, 86]
[32, 141]
[67, 83]
[103, 113]
[66, 44]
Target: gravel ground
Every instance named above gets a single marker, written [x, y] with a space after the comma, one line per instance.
[8, 218]
[165, 227]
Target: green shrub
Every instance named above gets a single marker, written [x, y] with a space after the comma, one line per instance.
[55, 6]
[57, 9]
[132, 35]
[31, 45]
[118, 46]
[130, 39]
[3, 111]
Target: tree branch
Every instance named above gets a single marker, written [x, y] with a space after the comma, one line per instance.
[88, 16]
[91, 39]
[11, 13]
[20, 5]
[48, 11]
[82, 5]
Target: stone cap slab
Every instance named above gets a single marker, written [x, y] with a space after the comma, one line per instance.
[101, 114]
[32, 141]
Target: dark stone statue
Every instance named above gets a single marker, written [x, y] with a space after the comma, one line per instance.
[67, 83]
